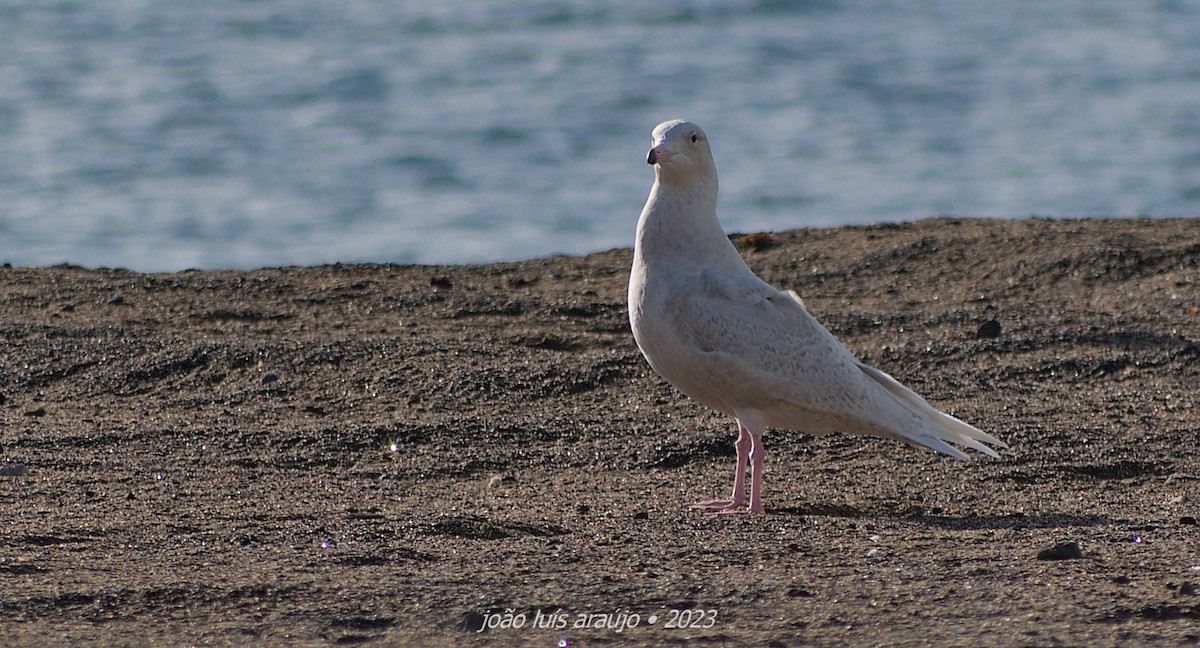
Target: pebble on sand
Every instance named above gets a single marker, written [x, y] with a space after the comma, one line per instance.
[1061, 551]
[988, 330]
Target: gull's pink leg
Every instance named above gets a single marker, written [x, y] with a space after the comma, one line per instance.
[744, 446]
[757, 456]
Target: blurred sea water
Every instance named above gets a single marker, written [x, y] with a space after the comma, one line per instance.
[159, 135]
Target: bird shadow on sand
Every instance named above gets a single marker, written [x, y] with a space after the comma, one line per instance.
[917, 515]
[1014, 521]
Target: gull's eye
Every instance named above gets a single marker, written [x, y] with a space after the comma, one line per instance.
[695, 138]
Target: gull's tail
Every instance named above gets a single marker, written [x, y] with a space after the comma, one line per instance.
[942, 429]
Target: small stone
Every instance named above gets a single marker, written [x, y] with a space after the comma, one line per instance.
[441, 282]
[269, 378]
[117, 299]
[1187, 589]
[1061, 551]
[1187, 519]
[520, 282]
[473, 621]
[988, 330]
[12, 470]
[757, 241]
[641, 515]
[1121, 580]
[41, 411]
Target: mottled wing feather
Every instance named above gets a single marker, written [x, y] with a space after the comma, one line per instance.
[764, 350]
[771, 350]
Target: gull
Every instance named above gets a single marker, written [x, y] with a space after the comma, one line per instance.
[729, 340]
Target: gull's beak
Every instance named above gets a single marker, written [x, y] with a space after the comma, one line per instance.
[658, 154]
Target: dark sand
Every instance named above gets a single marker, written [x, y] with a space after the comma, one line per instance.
[387, 454]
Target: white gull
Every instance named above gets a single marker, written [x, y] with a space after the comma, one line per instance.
[731, 341]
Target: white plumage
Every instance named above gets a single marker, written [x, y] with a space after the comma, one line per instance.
[731, 341]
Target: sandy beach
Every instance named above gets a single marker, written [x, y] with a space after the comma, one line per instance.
[479, 455]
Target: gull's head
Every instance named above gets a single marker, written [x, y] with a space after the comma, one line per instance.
[680, 152]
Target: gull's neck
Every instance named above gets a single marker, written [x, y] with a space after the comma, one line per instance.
[679, 224]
